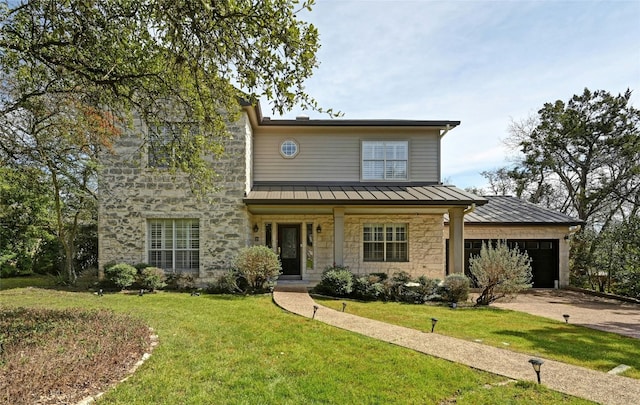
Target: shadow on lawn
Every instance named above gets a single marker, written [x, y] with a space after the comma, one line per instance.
[582, 344]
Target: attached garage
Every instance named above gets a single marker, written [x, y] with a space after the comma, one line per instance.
[542, 233]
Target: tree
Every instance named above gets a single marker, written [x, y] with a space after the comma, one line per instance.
[74, 74]
[582, 158]
[500, 272]
[24, 204]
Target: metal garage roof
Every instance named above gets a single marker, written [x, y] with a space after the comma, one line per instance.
[508, 210]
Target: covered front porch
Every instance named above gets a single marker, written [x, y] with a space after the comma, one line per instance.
[367, 228]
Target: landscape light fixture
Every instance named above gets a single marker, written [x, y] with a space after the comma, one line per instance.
[536, 363]
[100, 293]
[141, 293]
[315, 308]
[566, 318]
[255, 228]
[344, 305]
[318, 229]
[433, 323]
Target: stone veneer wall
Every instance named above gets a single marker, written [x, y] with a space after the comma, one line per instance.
[130, 194]
[426, 251]
[525, 232]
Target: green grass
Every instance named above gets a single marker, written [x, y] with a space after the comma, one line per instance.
[34, 280]
[245, 350]
[510, 330]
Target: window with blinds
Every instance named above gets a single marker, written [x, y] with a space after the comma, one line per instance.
[174, 244]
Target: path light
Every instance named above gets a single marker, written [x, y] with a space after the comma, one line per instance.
[433, 323]
[315, 308]
[344, 305]
[141, 293]
[566, 318]
[100, 293]
[536, 363]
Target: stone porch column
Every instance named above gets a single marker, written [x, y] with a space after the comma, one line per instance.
[338, 236]
[456, 240]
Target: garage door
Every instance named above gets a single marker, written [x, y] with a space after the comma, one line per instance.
[543, 253]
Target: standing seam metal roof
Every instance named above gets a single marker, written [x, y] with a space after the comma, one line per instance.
[361, 194]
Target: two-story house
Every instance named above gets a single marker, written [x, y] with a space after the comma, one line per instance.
[361, 193]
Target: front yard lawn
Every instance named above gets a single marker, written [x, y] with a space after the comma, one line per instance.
[509, 330]
[245, 350]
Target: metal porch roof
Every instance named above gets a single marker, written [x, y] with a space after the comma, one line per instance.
[369, 194]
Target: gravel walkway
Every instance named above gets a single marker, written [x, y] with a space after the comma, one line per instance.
[581, 382]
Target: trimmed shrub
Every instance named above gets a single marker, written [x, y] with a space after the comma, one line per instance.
[180, 281]
[500, 272]
[336, 281]
[368, 288]
[121, 274]
[259, 266]
[226, 283]
[455, 288]
[152, 278]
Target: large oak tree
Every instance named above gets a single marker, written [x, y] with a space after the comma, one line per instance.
[75, 73]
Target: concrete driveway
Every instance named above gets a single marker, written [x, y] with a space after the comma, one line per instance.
[583, 309]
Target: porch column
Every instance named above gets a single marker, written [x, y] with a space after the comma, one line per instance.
[338, 236]
[456, 240]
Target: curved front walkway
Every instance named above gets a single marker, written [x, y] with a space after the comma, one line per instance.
[581, 382]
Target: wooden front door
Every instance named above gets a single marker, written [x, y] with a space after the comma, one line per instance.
[289, 248]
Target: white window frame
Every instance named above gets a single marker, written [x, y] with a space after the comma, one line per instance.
[384, 160]
[172, 243]
[164, 138]
[388, 238]
[285, 148]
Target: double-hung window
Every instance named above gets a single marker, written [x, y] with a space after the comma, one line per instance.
[385, 243]
[165, 139]
[174, 244]
[385, 160]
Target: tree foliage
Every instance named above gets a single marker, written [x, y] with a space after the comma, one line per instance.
[500, 271]
[582, 158]
[75, 74]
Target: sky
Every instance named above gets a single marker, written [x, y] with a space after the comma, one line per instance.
[484, 63]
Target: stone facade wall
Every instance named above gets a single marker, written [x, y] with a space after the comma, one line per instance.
[525, 232]
[130, 194]
[426, 251]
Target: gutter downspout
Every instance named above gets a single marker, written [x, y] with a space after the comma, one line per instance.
[472, 208]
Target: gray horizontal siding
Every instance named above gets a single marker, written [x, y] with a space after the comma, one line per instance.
[331, 155]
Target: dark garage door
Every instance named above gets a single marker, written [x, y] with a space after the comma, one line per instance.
[543, 253]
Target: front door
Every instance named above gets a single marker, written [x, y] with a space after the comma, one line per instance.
[289, 248]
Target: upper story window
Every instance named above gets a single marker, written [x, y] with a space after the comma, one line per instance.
[289, 148]
[164, 140]
[385, 160]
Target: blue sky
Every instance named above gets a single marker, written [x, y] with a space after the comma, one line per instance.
[481, 62]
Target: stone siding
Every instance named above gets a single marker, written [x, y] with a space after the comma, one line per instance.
[130, 194]
[426, 251]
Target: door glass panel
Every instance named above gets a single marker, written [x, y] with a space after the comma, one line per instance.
[289, 243]
[309, 246]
